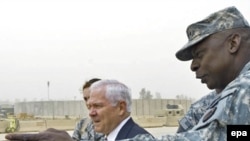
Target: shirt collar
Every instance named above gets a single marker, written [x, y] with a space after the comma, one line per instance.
[112, 135]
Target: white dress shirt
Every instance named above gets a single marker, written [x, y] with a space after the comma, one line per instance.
[112, 135]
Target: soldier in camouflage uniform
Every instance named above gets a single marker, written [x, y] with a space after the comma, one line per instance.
[219, 47]
[84, 129]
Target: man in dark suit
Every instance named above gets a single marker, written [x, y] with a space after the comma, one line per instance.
[110, 107]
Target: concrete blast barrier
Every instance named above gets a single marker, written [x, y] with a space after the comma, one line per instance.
[62, 124]
[149, 121]
[40, 125]
[3, 125]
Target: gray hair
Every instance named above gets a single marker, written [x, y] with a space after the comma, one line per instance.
[114, 91]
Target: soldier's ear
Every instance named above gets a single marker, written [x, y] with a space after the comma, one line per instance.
[234, 42]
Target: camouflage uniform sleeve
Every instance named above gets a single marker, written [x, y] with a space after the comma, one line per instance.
[195, 112]
[188, 120]
[77, 131]
[203, 134]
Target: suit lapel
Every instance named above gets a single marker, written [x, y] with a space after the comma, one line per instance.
[124, 132]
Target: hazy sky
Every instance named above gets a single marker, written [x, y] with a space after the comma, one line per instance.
[69, 42]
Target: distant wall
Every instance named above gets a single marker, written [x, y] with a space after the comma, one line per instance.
[52, 108]
[77, 108]
[149, 107]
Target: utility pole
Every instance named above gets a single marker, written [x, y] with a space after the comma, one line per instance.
[52, 106]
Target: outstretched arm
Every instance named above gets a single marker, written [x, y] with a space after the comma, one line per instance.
[50, 134]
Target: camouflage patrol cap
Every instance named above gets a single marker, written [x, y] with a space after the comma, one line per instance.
[227, 18]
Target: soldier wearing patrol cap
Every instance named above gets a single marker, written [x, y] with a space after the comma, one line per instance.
[219, 47]
[229, 18]
[219, 50]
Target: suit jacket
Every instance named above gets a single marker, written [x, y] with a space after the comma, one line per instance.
[130, 129]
